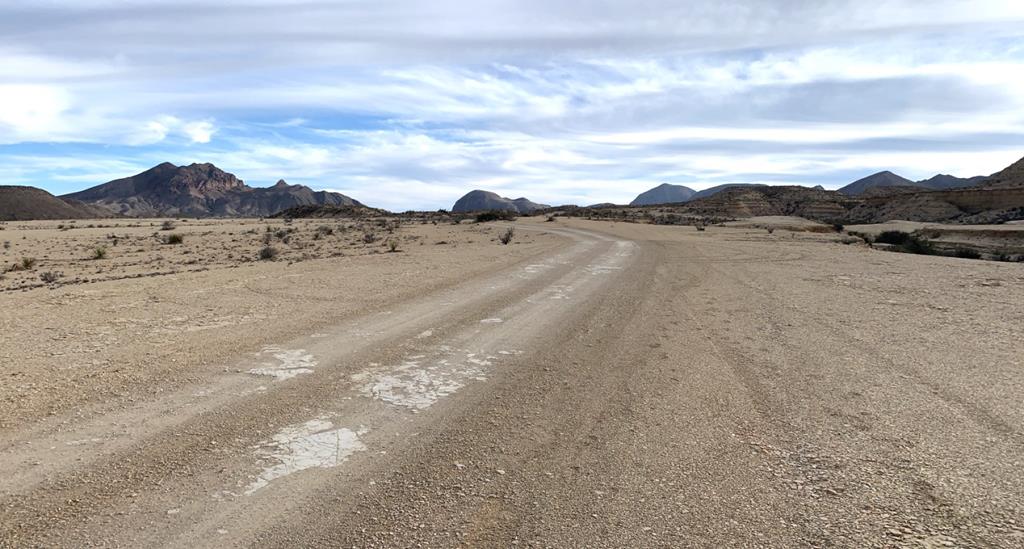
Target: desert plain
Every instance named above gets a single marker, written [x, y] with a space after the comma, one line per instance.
[591, 383]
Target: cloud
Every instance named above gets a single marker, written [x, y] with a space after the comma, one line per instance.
[408, 104]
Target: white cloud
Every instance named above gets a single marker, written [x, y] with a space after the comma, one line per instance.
[409, 104]
[200, 131]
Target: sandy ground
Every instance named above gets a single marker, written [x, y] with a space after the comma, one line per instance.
[598, 384]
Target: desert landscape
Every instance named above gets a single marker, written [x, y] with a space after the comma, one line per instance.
[463, 392]
[559, 274]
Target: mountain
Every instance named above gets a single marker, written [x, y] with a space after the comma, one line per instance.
[719, 188]
[944, 181]
[200, 190]
[475, 201]
[880, 179]
[663, 194]
[1012, 176]
[24, 203]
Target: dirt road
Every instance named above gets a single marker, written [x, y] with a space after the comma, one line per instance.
[636, 386]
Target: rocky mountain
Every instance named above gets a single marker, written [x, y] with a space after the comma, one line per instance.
[19, 203]
[475, 201]
[1012, 176]
[719, 188]
[944, 181]
[200, 190]
[880, 179]
[887, 179]
[665, 193]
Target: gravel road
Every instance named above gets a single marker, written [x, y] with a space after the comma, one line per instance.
[636, 386]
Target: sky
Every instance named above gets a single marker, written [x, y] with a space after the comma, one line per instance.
[410, 104]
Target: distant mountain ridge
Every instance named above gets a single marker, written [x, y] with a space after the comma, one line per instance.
[21, 203]
[200, 190]
[889, 179]
[667, 193]
[478, 200]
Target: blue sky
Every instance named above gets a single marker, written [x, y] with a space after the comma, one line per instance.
[408, 105]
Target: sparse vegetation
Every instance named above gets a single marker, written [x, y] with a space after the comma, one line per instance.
[838, 227]
[550, 219]
[699, 227]
[167, 225]
[495, 215]
[174, 239]
[27, 263]
[966, 253]
[392, 245]
[267, 253]
[506, 236]
[7, 244]
[99, 252]
[50, 277]
[369, 237]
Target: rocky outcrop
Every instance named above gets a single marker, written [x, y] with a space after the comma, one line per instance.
[751, 201]
[476, 201]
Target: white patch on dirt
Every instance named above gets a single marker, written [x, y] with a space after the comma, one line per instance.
[425, 334]
[315, 443]
[417, 387]
[491, 321]
[288, 363]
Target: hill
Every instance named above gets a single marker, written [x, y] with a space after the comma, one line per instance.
[719, 188]
[880, 179]
[477, 200]
[1012, 176]
[763, 200]
[21, 203]
[663, 194]
[200, 190]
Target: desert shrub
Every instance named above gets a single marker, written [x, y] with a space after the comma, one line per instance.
[27, 263]
[392, 245]
[324, 230]
[896, 238]
[281, 234]
[369, 237]
[174, 239]
[838, 227]
[99, 252]
[167, 225]
[7, 244]
[699, 227]
[916, 245]
[495, 215]
[1002, 256]
[49, 277]
[267, 253]
[770, 229]
[506, 236]
[966, 253]
[550, 219]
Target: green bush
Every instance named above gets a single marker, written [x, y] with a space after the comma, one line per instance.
[495, 215]
[966, 253]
